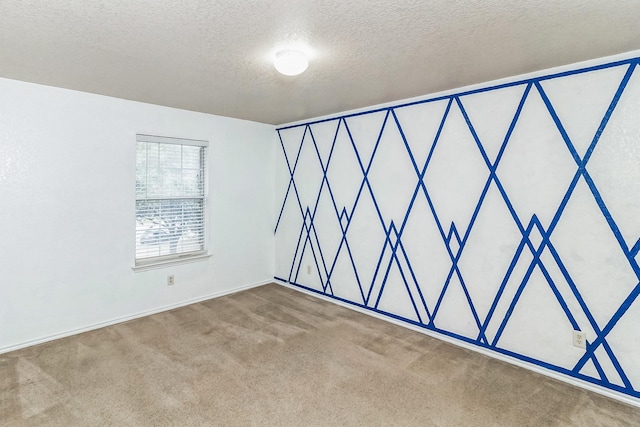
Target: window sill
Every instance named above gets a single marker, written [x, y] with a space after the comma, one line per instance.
[170, 262]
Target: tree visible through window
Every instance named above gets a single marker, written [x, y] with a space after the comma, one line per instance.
[170, 198]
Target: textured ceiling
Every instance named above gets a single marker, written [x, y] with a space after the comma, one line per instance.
[215, 56]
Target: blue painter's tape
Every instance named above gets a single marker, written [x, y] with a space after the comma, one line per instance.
[542, 257]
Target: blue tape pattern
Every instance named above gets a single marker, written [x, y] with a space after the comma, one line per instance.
[535, 237]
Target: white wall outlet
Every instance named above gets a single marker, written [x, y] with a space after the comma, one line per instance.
[170, 280]
[308, 269]
[580, 339]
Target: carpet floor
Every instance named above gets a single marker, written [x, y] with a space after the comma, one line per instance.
[272, 356]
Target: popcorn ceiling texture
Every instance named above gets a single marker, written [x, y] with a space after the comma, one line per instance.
[215, 57]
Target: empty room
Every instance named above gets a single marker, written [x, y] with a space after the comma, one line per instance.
[319, 213]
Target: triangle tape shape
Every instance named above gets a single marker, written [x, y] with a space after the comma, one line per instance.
[491, 113]
[581, 101]
[395, 298]
[454, 314]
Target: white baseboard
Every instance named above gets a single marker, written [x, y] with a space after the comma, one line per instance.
[129, 317]
[503, 357]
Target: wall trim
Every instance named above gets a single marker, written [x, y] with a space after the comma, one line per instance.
[127, 318]
[487, 352]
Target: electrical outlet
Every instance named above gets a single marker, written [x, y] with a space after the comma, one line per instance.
[308, 269]
[170, 280]
[580, 339]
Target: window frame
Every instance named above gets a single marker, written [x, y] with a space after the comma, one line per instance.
[180, 257]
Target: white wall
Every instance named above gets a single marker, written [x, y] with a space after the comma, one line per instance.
[498, 286]
[67, 219]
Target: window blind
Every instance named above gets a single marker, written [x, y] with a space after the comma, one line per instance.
[170, 198]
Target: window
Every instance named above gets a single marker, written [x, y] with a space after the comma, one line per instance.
[170, 199]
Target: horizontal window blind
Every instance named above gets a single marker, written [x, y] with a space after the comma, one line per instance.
[170, 198]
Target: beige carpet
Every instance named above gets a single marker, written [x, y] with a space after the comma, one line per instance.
[272, 356]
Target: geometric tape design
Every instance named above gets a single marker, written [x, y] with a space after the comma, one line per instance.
[480, 215]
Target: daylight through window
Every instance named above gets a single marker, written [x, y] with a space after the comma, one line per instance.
[170, 198]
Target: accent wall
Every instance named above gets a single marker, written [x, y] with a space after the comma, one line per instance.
[503, 216]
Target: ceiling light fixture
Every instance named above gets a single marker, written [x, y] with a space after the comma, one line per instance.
[291, 62]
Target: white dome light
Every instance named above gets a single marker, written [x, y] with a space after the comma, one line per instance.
[291, 62]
